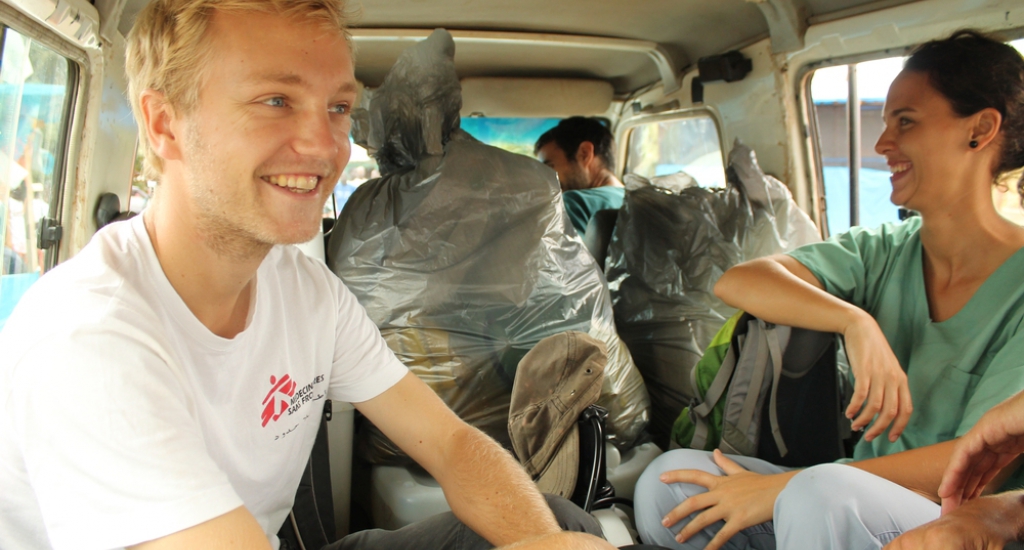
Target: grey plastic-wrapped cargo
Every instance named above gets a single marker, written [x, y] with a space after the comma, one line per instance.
[462, 254]
[672, 242]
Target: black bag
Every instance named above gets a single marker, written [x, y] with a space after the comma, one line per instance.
[310, 524]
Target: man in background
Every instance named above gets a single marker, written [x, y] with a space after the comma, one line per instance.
[581, 151]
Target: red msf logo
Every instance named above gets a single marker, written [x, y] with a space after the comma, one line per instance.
[277, 400]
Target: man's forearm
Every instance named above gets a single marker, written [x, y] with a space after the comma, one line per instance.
[491, 493]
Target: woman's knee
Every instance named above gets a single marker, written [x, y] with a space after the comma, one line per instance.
[816, 492]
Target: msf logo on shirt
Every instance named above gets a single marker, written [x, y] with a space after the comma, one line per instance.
[278, 399]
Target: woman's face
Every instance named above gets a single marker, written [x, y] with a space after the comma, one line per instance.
[925, 144]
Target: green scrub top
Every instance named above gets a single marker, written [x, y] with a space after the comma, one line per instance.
[582, 204]
[957, 369]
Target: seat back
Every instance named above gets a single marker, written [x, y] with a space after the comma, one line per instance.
[599, 233]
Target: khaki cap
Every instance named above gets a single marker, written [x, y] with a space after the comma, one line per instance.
[559, 378]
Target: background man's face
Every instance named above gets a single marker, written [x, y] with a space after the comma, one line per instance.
[571, 174]
[269, 137]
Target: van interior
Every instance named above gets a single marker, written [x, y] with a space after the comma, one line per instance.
[680, 83]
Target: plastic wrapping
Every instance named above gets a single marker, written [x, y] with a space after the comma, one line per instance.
[463, 256]
[672, 242]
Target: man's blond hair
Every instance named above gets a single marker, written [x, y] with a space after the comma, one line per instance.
[167, 49]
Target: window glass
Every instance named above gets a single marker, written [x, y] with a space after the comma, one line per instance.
[517, 135]
[1006, 194]
[360, 168]
[690, 145]
[34, 84]
[829, 91]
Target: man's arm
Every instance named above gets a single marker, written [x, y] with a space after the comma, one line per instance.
[484, 485]
[236, 529]
[987, 523]
[989, 446]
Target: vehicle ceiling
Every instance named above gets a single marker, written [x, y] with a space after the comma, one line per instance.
[685, 30]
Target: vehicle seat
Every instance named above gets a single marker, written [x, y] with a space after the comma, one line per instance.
[599, 233]
[402, 495]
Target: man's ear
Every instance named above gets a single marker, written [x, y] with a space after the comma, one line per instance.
[158, 118]
[987, 123]
[585, 153]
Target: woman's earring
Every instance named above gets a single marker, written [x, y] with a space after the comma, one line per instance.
[973, 144]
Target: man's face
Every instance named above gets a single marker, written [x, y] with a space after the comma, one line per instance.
[268, 138]
[571, 173]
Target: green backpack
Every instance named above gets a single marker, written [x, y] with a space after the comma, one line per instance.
[757, 377]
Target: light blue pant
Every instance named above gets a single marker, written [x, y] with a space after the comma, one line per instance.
[827, 506]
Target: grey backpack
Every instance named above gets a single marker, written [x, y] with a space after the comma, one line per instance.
[772, 379]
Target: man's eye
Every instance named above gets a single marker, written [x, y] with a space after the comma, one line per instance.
[339, 109]
[275, 102]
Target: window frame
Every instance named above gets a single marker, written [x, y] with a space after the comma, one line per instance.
[814, 164]
[624, 130]
[65, 161]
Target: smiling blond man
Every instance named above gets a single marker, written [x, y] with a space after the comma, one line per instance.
[174, 400]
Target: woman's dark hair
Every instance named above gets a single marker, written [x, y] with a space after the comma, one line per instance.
[974, 72]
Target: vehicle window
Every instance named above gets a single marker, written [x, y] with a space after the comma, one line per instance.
[360, 168]
[1006, 194]
[34, 89]
[665, 147]
[516, 135]
[830, 93]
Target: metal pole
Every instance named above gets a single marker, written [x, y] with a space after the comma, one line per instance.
[853, 110]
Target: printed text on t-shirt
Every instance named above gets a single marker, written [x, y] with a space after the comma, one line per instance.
[286, 397]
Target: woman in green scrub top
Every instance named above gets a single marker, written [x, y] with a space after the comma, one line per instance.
[931, 309]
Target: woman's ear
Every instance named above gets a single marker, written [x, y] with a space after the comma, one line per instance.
[987, 124]
[158, 118]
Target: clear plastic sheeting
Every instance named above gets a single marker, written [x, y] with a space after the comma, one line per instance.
[672, 242]
[462, 254]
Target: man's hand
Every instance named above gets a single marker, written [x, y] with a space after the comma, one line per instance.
[740, 498]
[881, 384]
[984, 524]
[982, 452]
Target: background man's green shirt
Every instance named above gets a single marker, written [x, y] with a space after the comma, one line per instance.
[582, 204]
[957, 369]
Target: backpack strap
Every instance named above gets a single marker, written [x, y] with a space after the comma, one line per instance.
[774, 349]
[757, 343]
[699, 412]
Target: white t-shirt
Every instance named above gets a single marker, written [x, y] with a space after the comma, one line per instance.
[124, 419]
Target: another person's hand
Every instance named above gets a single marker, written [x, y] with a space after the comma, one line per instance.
[740, 498]
[987, 523]
[881, 385]
[981, 453]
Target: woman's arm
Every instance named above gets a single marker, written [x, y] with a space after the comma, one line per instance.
[779, 289]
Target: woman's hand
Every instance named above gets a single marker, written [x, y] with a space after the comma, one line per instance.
[881, 385]
[740, 498]
[984, 524]
[981, 453]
